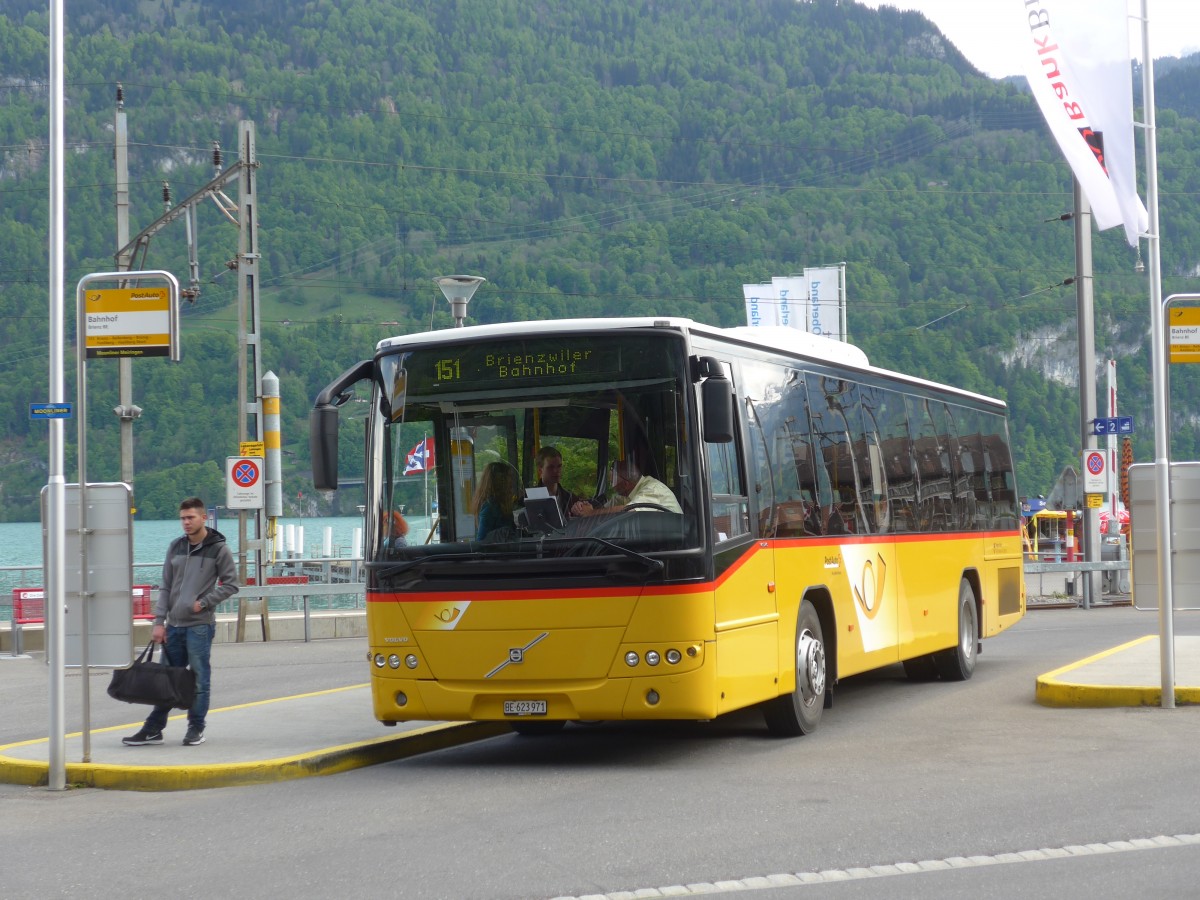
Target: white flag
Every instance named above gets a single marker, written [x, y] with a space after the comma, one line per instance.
[762, 305]
[825, 302]
[793, 300]
[1076, 58]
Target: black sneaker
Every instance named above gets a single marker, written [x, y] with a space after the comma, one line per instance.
[142, 738]
[194, 736]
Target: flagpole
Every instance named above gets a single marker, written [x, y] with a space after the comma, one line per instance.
[1162, 433]
[425, 462]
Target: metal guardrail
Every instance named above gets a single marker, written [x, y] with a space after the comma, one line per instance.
[328, 577]
[1049, 568]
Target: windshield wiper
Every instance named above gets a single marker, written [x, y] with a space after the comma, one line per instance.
[391, 570]
[655, 565]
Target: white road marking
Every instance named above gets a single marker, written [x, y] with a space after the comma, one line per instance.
[826, 876]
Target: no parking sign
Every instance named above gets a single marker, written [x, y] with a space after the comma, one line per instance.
[244, 482]
[1095, 472]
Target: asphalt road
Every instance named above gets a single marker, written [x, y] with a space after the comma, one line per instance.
[988, 793]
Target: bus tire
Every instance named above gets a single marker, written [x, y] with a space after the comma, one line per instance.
[538, 728]
[958, 662]
[799, 712]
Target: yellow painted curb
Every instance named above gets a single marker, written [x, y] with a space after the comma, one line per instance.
[328, 761]
[1053, 690]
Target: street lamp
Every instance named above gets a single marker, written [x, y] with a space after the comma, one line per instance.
[459, 289]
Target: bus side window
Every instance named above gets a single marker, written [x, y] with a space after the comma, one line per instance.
[830, 399]
[934, 491]
[796, 484]
[762, 477]
[730, 508]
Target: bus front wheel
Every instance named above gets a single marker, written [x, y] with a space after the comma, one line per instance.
[800, 711]
[958, 663]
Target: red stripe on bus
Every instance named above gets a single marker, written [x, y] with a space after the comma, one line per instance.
[672, 590]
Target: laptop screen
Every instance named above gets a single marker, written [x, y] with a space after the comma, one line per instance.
[543, 514]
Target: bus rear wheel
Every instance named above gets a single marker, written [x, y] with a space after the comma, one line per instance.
[958, 663]
[800, 711]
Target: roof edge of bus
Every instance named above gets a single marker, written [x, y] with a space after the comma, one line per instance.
[773, 337]
[534, 326]
[778, 338]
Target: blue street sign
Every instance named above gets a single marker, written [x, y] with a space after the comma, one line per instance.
[1113, 425]
[51, 410]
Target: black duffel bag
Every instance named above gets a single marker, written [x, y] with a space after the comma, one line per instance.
[154, 683]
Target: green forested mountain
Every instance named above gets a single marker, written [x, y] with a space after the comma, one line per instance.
[587, 158]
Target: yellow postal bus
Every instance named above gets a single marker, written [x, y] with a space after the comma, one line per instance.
[825, 518]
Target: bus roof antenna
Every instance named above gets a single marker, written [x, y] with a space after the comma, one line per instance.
[459, 289]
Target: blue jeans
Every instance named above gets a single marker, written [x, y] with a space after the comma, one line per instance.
[191, 647]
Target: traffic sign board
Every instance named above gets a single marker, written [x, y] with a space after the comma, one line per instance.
[244, 482]
[1113, 425]
[1095, 478]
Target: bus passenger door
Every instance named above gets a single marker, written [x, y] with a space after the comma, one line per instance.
[746, 614]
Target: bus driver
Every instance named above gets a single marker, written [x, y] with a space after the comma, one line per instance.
[632, 487]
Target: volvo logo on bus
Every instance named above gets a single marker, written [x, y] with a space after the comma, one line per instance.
[516, 655]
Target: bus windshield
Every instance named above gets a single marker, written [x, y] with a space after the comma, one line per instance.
[495, 444]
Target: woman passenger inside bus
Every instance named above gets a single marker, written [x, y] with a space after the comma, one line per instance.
[496, 498]
[397, 531]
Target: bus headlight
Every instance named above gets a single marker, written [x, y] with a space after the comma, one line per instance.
[394, 661]
[631, 658]
[674, 656]
[652, 658]
[411, 660]
[380, 660]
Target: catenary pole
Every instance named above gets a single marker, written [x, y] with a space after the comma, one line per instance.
[125, 411]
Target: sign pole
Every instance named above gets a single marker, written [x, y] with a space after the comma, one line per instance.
[55, 561]
[114, 327]
[1158, 349]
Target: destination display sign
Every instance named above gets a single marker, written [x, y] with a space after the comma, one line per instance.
[530, 364]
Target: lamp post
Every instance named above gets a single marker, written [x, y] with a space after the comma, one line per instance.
[459, 289]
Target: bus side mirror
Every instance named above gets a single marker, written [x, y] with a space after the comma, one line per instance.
[323, 446]
[323, 424]
[717, 397]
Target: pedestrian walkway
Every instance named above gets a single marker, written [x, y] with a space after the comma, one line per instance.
[271, 740]
[1128, 675]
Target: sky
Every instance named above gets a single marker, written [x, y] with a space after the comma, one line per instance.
[973, 25]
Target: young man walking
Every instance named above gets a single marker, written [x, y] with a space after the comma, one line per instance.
[197, 576]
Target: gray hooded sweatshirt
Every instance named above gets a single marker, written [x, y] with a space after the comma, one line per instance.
[205, 572]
